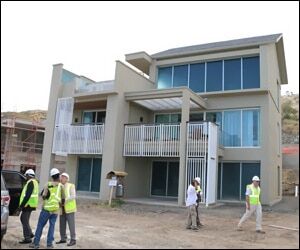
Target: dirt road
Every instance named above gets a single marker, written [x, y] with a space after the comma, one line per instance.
[140, 226]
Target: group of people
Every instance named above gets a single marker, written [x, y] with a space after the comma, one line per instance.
[59, 198]
[194, 196]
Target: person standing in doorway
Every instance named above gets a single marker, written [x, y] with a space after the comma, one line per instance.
[28, 203]
[199, 198]
[253, 205]
[51, 195]
[68, 211]
[191, 202]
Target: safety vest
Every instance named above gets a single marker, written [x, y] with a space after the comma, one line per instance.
[52, 204]
[254, 196]
[70, 205]
[198, 189]
[34, 198]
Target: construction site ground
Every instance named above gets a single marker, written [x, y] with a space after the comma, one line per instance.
[145, 226]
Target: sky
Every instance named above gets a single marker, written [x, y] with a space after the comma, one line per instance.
[88, 37]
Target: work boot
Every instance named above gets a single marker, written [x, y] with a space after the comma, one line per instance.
[32, 245]
[25, 241]
[32, 236]
[194, 228]
[50, 246]
[71, 243]
[61, 241]
[260, 231]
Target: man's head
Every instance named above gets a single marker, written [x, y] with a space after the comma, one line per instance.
[29, 174]
[198, 180]
[64, 178]
[255, 181]
[54, 172]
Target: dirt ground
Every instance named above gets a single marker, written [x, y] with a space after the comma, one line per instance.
[144, 226]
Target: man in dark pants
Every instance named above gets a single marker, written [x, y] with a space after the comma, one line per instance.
[199, 198]
[28, 203]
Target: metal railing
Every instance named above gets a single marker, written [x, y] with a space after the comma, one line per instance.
[78, 139]
[152, 140]
[82, 86]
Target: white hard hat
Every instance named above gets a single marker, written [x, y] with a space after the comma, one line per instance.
[30, 172]
[54, 171]
[66, 175]
[255, 178]
[198, 179]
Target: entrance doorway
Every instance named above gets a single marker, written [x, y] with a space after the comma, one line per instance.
[89, 174]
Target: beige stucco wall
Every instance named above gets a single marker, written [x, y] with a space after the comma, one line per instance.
[136, 112]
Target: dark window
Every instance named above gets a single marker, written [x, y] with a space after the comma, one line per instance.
[159, 175]
[196, 117]
[232, 74]
[214, 76]
[13, 180]
[248, 171]
[164, 78]
[173, 177]
[180, 76]
[251, 76]
[231, 181]
[197, 77]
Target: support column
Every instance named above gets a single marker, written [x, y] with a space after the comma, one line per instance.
[185, 115]
[47, 156]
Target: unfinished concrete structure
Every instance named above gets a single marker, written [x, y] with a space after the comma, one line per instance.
[210, 110]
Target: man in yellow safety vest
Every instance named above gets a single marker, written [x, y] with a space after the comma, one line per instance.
[51, 195]
[68, 211]
[253, 205]
[28, 203]
[199, 197]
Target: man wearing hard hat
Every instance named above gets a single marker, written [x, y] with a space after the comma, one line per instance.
[253, 204]
[68, 211]
[51, 195]
[28, 203]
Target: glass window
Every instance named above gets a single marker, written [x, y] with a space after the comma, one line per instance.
[196, 117]
[232, 74]
[248, 171]
[231, 181]
[215, 117]
[232, 128]
[180, 76]
[251, 76]
[96, 175]
[173, 178]
[13, 180]
[250, 127]
[164, 78]
[197, 77]
[89, 117]
[159, 176]
[214, 76]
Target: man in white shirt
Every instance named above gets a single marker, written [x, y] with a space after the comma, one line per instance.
[191, 202]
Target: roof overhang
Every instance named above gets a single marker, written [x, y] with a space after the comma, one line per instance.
[281, 61]
[166, 99]
[140, 60]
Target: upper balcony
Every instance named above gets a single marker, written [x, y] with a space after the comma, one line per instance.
[83, 86]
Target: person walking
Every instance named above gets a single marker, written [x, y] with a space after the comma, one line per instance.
[28, 203]
[51, 195]
[253, 205]
[199, 198]
[191, 205]
[68, 211]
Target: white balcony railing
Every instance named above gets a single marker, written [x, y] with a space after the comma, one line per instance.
[78, 139]
[86, 87]
[152, 140]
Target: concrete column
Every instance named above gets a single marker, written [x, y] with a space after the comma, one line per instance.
[185, 114]
[47, 156]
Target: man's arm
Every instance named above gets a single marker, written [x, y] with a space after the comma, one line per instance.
[28, 193]
[247, 202]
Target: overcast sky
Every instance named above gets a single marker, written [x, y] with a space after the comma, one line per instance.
[87, 37]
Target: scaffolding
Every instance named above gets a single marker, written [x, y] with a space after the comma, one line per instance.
[28, 146]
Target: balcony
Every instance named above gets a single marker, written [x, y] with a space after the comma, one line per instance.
[82, 86]
[78, 139]
[152, 140]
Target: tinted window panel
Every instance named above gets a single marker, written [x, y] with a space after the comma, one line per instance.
[231, 181]
[251, 78]
[180, 76]
[214, 76]
[164, 78]
[197, 77]
[232, 128]
[251, 128]
[232, 74]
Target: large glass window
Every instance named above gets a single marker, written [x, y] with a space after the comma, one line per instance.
[248, 171]
[214, 76]
[164, 78]
[232, 128]
[90, 117]
[250, 127]
[251, 75]
[197, 77]
[232, 74]
[180, 76]
[196, 117]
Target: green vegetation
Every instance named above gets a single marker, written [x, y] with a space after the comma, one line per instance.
[290, 114]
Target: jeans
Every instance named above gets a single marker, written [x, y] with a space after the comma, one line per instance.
[43, 218]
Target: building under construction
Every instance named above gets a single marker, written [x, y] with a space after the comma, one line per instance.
[22, 144]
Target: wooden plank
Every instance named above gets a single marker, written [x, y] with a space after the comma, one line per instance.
[281, 227]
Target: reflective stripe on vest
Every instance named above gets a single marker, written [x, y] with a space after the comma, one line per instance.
[52, 204]
[255, 194]
[34, 198]
[70, 205]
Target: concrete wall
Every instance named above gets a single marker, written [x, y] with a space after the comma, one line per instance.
[136, 112]
[137, 182]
